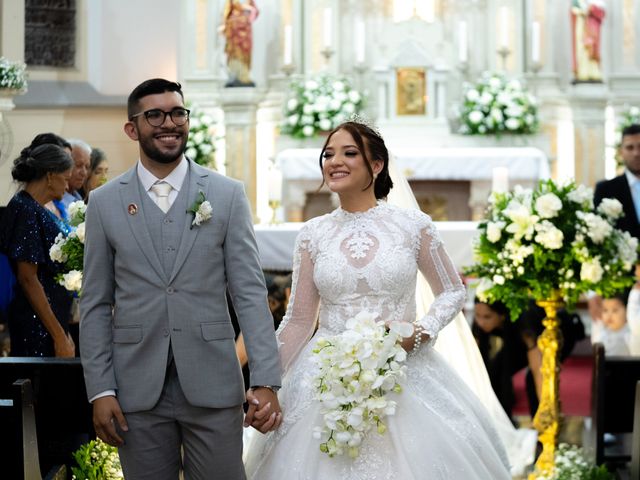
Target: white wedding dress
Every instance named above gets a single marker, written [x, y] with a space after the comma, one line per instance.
[345, 263]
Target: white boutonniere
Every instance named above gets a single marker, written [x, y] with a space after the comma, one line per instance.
[201, 209]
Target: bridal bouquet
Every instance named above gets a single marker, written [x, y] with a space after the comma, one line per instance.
[536, 242]
[319, 104]
[496, 105]
[358, 370]
[69, 250]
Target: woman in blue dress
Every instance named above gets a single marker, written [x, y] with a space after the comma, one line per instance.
[39, 312]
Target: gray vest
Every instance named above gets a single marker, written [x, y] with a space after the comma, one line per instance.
[166, 229]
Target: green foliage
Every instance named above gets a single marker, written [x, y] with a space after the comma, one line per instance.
[534, 244]
[497, 105]
[12, 75]
[96, 461]
[319, 104]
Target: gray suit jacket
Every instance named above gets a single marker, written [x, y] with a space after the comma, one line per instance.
[131, 310]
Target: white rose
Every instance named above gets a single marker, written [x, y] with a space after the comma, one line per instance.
[591, 271]
[292, 104]
[72, 281]
[349, 107]
[498, 279]
[597, 227]
[325, 124]
[494, 231]
[475, 116]
[80, 232]
[473, 95]
[611, 208]
[514, 111]
[512, 124]
[307, 130]
[206, 148]
[76, 208]
[548, 235]
[307, 109]
[495, 83]
[334, 104]
[338, 86]
[191, 152]
[496, 114]
[581, 195]
[310, 85]
[634, 111]
[486, 98]
[354, 96]
[548, 205]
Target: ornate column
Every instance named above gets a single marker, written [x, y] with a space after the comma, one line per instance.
[240, 105]
[588, 103]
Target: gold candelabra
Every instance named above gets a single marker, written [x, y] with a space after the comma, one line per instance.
[274, 205]
[548, 417]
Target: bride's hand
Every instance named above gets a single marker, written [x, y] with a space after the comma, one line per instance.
[264, 412]
[409, 343]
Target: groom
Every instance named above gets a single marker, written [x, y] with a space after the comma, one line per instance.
[156, 341]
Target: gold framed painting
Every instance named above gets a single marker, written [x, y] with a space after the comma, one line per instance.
[411, 91]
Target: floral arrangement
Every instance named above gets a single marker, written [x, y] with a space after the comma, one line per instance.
[201, 146]
[96, 461]
[69, 250]
[534, 243]
[497, 105]
[13, 75]
[571, 464]
[319, 104]
[630, 115]
[358, 369]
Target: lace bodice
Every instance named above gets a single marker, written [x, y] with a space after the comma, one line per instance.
[347, 262]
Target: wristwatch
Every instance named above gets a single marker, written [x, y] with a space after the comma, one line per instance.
[273, 388]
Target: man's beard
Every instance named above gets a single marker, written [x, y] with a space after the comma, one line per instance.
[151, 151]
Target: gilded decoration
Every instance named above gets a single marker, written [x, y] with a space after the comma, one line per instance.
[411, 91]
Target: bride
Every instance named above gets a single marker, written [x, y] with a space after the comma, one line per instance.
[365, 256]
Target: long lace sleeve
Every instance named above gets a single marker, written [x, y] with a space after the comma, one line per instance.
[438, 269]
[299, 323]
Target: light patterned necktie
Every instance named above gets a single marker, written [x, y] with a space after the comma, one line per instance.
[162, 191]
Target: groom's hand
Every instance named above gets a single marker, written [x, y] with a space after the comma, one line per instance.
[264, 412]
[106, 411]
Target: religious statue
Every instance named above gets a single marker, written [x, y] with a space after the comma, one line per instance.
[586, 25]
[238, 18]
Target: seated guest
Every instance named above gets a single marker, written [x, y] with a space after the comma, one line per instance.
[507, 347]
[98, 169]
[81, 154]
[612, 330]
[39, 311]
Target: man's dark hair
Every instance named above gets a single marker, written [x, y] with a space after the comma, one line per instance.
[150, 87]
[633, 129]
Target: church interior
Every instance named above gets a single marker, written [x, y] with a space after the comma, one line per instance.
[471, 97]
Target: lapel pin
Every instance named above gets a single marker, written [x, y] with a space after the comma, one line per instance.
[133, 209]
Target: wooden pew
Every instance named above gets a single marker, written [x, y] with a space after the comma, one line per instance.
[613, 402]
[60, 415]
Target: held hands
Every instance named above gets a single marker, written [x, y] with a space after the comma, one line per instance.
[106, 411]
[64, 346]
[264, 412]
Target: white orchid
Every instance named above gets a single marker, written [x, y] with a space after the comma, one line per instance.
[358, 371]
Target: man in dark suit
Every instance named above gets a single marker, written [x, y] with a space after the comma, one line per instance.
[626, 189]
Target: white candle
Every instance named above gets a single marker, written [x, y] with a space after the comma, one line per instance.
[275, 184]
[360, 41]
[504, 26]
[535, 42]
[500, 179]
[288, 44]
[328, 19]
[429, 11]
[462, 42]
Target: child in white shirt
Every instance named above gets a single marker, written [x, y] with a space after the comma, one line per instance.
[619, 326]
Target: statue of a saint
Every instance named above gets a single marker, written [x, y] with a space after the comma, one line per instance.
[586, 25]
[237, 20]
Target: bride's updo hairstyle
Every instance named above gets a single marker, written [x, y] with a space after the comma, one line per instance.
[35, 163]
[371, 145]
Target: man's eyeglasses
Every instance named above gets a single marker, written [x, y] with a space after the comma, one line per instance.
[156, 117]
